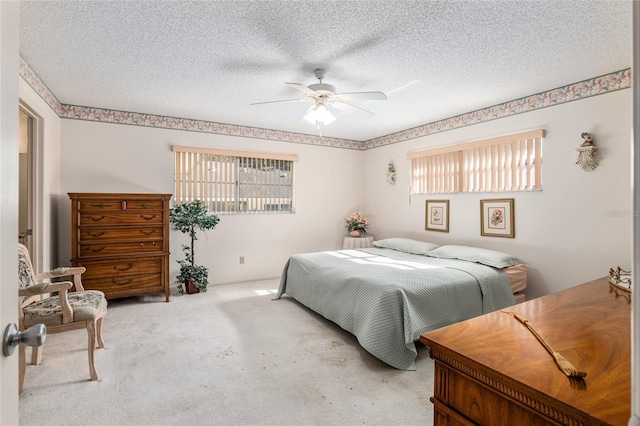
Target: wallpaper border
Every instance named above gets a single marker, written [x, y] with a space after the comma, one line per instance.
[607, 83]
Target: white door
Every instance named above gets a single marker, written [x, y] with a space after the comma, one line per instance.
[9, 23]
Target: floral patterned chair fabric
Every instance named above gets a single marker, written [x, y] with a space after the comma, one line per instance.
[68, 307]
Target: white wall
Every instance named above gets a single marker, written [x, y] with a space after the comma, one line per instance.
[102, 157]
[572, 231]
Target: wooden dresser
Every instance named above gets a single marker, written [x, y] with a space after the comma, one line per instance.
[123, 241]
[491, 370]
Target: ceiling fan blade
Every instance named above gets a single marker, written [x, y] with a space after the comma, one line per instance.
[333, 109]
[347, 107]
[282, 101]
[303, 88]
[361, 96]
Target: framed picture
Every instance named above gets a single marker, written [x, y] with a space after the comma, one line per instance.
[496, 218]
[437, 216]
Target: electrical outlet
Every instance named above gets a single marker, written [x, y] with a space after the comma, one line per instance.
[242, 260]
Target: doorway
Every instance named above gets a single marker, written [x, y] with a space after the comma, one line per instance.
[29, 228]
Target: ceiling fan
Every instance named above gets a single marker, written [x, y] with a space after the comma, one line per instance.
[327, 104]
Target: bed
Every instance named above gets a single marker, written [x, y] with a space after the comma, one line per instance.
[390, 294]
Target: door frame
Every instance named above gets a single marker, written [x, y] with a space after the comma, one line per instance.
[36, 185]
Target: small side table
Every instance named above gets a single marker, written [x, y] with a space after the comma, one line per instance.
[357, 242]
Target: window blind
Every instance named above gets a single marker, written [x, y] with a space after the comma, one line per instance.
[506, 163]
[234, 181]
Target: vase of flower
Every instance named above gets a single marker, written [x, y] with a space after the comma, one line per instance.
[357, 224]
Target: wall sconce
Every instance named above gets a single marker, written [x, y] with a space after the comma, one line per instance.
[587, 153]
[391, 174]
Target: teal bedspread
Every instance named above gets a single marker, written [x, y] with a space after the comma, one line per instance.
[388, 298]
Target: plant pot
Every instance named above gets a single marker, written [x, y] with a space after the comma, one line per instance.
[190, 288]
[354, 233]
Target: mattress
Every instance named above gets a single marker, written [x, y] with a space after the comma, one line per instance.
[387, 298]
[517, 277]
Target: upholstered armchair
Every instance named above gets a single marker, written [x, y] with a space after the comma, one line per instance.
[60, 306]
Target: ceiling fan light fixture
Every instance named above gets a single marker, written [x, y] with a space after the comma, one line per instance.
[322, 95]
[319, 115]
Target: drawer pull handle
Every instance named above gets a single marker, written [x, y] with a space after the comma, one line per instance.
[145, 205]
[153, 231]
[125, 269]
[153, 216]
[97, 219]
[129, 281]
[101, 205]
[97, 234]
[141, 244]
[96, 250]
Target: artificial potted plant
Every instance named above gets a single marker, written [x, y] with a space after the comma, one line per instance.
[189, 218]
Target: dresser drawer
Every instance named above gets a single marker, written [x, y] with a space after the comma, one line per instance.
[120, 218]
[100, 205]
[144, 205]
[120, 268]
[123, 284]
[105, 248]
[120, 233]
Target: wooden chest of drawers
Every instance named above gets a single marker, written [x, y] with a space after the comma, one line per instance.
[123, 241]
[490, 370]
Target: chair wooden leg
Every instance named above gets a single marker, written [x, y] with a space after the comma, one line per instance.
[36, 355]
[99, 333]
[22, 365]
[91, 332]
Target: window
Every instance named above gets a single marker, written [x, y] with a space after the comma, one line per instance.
[507, 163]
[234, 181]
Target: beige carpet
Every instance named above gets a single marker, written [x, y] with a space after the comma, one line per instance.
[231, 356]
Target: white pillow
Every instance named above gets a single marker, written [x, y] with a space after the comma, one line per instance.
[406, 245]
[475, 254]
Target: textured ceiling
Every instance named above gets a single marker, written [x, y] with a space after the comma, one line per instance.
[210, 60]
